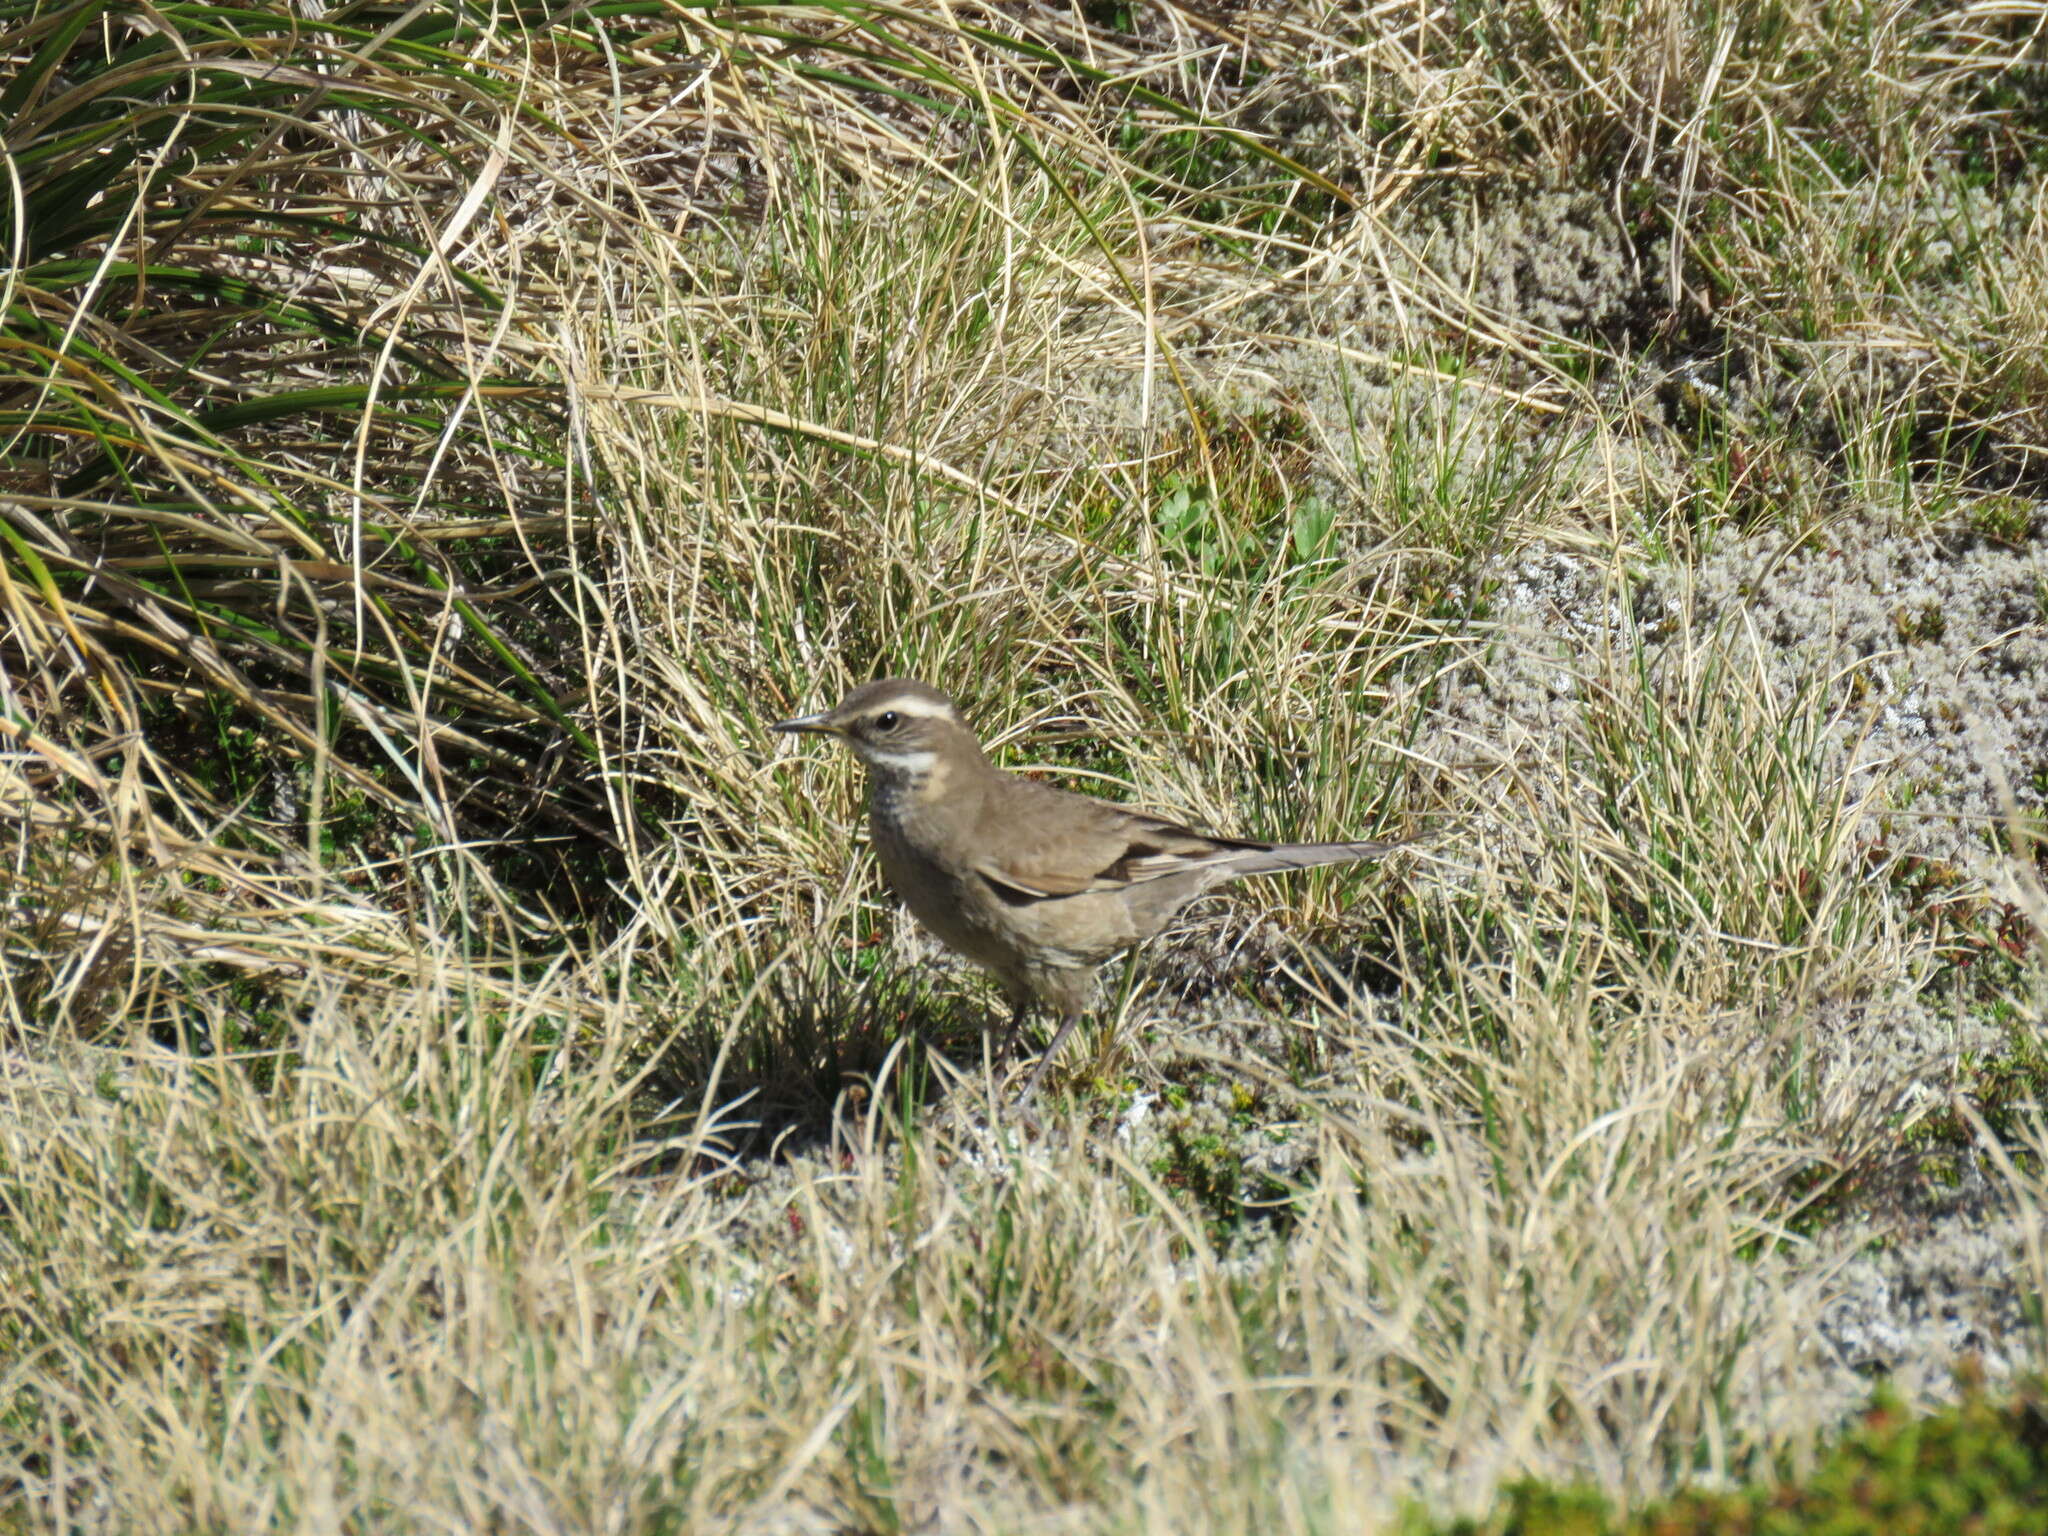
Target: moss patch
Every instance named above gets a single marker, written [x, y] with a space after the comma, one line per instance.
[1980, 1468]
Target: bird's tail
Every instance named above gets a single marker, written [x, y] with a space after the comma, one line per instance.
[1279, 856]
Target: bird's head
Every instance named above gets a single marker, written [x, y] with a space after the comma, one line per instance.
[899, 727]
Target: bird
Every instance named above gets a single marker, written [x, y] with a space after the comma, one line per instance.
[1038, 885]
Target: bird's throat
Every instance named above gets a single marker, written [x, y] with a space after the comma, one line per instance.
[905, 780]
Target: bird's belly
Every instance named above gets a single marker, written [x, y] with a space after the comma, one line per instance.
[1082, 930]
[1014, 939]
[943, 903]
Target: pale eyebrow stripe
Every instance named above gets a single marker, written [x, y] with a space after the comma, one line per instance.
[922, 709]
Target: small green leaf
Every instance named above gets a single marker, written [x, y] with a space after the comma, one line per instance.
[1315, 527]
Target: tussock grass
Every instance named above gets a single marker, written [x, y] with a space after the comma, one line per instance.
[456, 1071]
[428, 1266]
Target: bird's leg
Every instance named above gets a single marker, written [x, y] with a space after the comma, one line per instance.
[1059, 1039]
[1008, 1042]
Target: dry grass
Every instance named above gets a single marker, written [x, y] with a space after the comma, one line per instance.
[435, 1268]
[455, 1072]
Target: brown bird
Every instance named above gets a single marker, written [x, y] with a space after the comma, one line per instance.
[1038, 885]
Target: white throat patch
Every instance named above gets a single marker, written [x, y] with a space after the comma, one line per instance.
[907, 760]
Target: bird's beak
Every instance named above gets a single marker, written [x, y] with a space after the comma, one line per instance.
[816, 725]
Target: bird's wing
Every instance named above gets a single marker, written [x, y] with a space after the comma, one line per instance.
[1093, 846]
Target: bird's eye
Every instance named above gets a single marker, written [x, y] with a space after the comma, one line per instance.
[886, 720]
